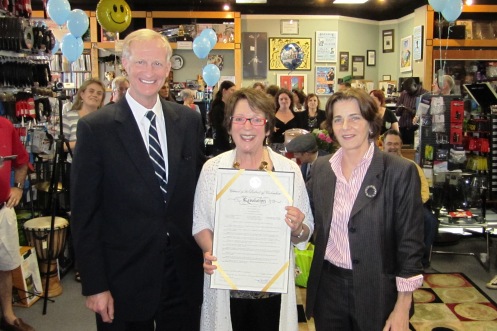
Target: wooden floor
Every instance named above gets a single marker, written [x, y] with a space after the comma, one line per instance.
[301, 294]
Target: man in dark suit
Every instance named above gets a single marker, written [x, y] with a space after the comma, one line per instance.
[132, 220]
[305, 149]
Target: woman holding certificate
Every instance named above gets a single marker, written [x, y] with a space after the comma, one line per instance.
[369, 226]
[223, 205]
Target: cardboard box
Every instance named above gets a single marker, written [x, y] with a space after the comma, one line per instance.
[26, 279]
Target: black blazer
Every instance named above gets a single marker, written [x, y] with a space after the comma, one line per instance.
[119, 218]
[385, 233]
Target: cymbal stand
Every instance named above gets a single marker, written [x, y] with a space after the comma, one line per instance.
[57, 172]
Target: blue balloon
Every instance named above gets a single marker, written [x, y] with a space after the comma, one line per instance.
[452, 10]
[211, 74]
[56, 47]
[58, 10]
[78, 22]
[72, 47]
[438, 5]
[201, 47]
[211, 35]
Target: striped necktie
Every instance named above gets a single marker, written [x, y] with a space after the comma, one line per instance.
[155, 152]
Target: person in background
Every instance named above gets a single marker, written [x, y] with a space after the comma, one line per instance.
[133, 181]
[298, 100]
[447, 85]
[286, 118]
[10, 257]
[216, 117]
[369, 227]
[249, 119]
[392, 143]
[343, 85]
[305, 149]
[406, 108]
[88, 99]
[188, 97]
[165, 92]
[313, 116]
[388, 117]
[119, 87]
[272, 90]
[259, 86]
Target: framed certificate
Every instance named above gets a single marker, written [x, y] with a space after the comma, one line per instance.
[251, 238]
[289, 27]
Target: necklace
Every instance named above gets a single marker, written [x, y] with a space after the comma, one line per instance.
[262, 166]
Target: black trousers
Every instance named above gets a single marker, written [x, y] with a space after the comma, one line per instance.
[173, 312]
[335, 305]
[256, 314]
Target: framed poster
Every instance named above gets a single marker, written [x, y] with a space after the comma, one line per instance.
[326, 46]
[344, 61]
[388, 45]
[371, 58]
[417, 43]
[254, 50]
[406, 54]
[289, 53]
[289, 27]
[357, 67]
[295, 81]
[325, 80]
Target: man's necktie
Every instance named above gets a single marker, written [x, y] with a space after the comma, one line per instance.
[308, 175]
[155, 152]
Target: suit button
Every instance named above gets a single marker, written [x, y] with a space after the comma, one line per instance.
[352, 230]
[355, 261]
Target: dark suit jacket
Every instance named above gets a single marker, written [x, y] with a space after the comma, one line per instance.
[304, 166]
[119, 218]
[385, 233]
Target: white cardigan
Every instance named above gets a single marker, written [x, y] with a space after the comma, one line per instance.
[216, 306]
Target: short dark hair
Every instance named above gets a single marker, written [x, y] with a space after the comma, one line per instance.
[258, 101]
[391, 132]
[367, 107]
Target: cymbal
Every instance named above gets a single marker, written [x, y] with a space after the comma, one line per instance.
[45, 186]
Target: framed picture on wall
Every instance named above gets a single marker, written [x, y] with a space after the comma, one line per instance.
[388, 41]
[417, 43]
[290, 53]
[325, 80]
[371, 58]
[254, 50]
[326, 46]
[357, 67]
[295, 81]
[344, 61]
[406, 54]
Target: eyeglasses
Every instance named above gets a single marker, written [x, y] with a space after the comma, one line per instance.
[255, 121]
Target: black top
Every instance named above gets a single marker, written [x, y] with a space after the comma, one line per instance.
[219, 132]
[295, 123]
[388, 119]
[312, 123]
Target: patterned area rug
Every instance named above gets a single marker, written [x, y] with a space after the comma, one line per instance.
[452, 302]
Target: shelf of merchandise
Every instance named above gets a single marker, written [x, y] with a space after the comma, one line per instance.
[456, 49]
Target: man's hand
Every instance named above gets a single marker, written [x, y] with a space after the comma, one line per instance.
[14, 197]
[103, 304]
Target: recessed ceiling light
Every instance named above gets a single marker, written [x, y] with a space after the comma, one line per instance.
[349, 1]
[251, 1]
[226, 6]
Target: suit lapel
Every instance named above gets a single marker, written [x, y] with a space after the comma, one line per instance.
[174, 133]
[130, 135]
[326, 194]
[371, 184]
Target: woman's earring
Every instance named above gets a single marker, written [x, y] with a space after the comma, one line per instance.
[230, 140]
[266, 141]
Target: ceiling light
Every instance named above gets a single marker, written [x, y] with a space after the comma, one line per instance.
[226, 6]
[349, 1]
[251, 1]
[469, 2]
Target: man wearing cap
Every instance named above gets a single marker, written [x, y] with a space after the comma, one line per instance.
[305, 149]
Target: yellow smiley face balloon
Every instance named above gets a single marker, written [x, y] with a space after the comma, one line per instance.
[113, 15]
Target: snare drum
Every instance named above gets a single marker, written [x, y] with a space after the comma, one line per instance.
[37, 231]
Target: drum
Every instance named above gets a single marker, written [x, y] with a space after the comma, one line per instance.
[37, 232]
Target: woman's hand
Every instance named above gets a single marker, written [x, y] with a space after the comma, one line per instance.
[208, 266]
[294, 218]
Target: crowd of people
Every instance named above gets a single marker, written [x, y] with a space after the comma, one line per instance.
[144, 201]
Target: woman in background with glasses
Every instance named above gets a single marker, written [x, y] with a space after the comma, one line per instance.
[249, 119]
